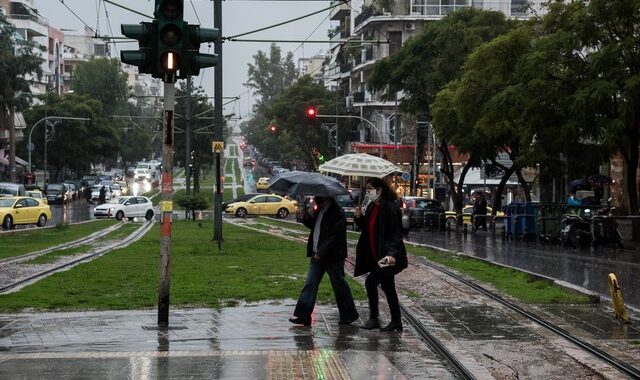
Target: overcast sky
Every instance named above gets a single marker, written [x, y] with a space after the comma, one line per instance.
[238, 16]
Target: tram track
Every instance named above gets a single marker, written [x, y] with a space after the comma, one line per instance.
[138, 233]
[443, 352]
[74, 243]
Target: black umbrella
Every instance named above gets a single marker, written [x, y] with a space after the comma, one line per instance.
[304, 183]
[599, 180]
[577, 183]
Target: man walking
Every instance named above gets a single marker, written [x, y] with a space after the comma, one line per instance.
[327, 248]
[480, 212]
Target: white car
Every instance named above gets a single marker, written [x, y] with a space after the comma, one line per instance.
[140, 174]
[95, 193]
[116, 190]
[127, 207]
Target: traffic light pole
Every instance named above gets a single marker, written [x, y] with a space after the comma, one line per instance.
[166, 206]
[217, 130]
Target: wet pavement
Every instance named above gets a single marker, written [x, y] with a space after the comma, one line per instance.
[247, 342]
[577, 267]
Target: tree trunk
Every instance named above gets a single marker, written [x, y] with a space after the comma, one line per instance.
[525, 185]
[497, 198]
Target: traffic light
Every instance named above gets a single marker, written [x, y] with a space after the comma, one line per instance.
[168, 36]
[194, 60]
[143, 57]
[273, 128]
[312, 114]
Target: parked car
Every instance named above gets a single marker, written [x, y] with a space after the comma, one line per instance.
[422, 212]
[23, 210]
[37, 194]
[263, 205]
[58, 193]
[126, 207]
[95, 193]
[262, 184]
[467, 212]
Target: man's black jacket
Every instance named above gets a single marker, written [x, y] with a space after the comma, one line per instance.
[332, 244]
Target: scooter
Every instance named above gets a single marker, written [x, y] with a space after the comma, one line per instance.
[605, 230]
[575, 230]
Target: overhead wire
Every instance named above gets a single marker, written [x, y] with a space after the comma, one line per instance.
[78, 17]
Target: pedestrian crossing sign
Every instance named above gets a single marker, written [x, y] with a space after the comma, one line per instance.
[218, 146]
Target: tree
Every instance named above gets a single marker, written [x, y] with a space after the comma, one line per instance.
[269, 76]
[295, 138]
[426, 63]
[197, 201]
[77, 144]
[101, 79]
[591, 48]
[18, 63]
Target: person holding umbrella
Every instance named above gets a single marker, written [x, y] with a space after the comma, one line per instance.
[327, 248]
[380, 251]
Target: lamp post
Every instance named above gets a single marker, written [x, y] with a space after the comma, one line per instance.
[29, 147]
[359, 118]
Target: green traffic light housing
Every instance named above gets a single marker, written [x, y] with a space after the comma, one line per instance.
[194, 60]
[142, 58]
[169, 38]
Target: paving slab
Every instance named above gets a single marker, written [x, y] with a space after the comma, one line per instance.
[246, 342]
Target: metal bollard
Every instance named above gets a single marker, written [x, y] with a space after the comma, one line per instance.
[464, 229]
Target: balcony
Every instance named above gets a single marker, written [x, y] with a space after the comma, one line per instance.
[362, 17]
[358, 97]
[418, 8]
[340, 12]
[345, 68]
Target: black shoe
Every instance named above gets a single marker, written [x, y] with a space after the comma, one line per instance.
[371, 324]
[300, 321]
[392, 326]
[348, 321]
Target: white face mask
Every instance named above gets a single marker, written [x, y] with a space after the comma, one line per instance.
[372, 194]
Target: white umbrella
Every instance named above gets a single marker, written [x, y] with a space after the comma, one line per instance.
[359, 164]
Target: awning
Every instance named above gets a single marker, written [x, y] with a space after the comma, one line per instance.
[19, 161]
[18, 120]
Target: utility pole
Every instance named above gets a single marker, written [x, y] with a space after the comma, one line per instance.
[217, 130]
[187, 145]
[12, 145]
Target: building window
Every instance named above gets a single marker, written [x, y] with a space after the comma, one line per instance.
[437, 7]
[518, 7]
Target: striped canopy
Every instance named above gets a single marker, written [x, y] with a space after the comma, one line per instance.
[360, 165]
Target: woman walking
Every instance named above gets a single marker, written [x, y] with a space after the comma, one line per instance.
[380, 251]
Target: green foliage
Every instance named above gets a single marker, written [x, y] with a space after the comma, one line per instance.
[194, 202]
[76, 143]
[101, 79]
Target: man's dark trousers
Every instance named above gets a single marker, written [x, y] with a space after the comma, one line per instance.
[341, 290]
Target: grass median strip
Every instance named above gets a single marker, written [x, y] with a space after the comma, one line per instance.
[517, 284]
[19, 243]
[250, 267]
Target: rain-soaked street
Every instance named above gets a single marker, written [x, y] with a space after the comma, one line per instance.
[578, 267]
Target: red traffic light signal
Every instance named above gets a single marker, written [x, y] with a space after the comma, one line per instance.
[273, 128]
[312, 112]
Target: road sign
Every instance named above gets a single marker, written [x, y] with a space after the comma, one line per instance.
[217, 146]
[406, 176]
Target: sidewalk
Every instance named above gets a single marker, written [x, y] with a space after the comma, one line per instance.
[246, 342]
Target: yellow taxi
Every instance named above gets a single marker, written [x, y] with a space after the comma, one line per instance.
[263, 204]
[37, 194]
[467, 212]
[263, 183]
[23, 210]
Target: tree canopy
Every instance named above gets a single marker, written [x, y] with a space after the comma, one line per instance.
[102, 79]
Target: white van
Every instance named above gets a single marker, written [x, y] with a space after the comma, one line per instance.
[8, 189]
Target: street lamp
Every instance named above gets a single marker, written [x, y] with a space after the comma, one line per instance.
[359, 118]
[30, 146]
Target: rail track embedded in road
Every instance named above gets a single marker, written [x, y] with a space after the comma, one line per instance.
[15, 285]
